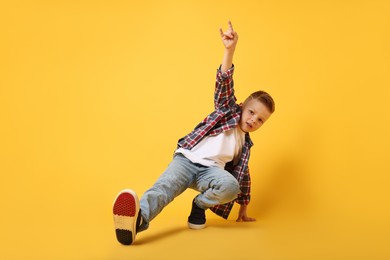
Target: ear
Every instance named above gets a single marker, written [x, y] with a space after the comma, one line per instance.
[241, 105]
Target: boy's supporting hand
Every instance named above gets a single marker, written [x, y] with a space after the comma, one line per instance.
[229, 38]
[242, 216]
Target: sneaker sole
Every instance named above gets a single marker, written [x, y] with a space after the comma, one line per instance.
[125, 211]
[196, 226]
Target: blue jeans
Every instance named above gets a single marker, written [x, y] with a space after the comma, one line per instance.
[216, 186]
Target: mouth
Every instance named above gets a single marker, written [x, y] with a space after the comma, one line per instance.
[249, 125]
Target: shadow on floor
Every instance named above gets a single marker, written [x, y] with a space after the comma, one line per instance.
[161, 235]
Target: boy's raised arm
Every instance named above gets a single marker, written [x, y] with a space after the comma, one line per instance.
[229, 40]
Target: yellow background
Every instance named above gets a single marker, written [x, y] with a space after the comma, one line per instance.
[95, 94]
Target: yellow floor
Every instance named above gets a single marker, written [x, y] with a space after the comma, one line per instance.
[84, 230]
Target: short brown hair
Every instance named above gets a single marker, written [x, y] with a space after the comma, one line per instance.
[264, 98]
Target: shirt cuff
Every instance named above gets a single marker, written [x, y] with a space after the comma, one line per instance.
[243, 199]
[227, 74]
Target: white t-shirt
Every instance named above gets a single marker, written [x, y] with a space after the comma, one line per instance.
[216, 150]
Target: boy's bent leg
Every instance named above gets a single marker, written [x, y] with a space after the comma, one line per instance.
[217, 186]
[176, 179]
[197, 217]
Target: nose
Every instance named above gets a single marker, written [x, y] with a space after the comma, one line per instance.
[254, 121]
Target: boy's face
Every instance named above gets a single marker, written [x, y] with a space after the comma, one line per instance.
[253, 116]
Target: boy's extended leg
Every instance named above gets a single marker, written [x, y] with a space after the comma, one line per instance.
[179, 175]
[132, 216]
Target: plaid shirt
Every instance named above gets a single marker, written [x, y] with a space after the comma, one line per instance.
[226, 116]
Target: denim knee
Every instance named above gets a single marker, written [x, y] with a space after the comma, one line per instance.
[230, 190]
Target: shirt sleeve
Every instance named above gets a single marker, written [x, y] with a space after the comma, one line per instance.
[245, 186]
[224, 89]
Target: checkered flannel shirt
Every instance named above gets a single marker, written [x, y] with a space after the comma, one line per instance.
[225, 117]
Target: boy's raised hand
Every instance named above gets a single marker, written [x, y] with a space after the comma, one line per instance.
[229, 37]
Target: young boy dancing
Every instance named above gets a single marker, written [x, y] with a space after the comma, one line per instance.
[212, 159]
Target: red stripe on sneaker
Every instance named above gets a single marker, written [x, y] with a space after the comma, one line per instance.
[125, 205]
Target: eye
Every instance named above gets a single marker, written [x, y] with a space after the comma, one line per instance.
[251, 112]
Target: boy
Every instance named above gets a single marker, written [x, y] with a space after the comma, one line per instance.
[212, 159]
